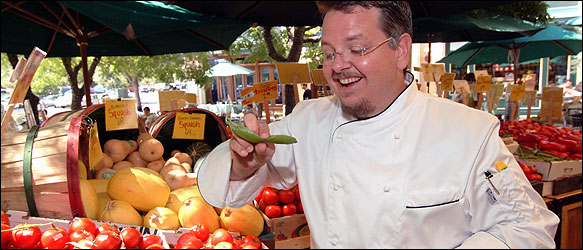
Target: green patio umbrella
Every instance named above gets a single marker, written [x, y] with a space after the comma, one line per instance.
[111, 28]
[550, 42]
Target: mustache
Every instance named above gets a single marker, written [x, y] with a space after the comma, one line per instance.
[336, 76]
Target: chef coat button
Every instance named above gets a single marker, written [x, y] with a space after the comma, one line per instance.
[397, 136]
[336, 187]
[334, 242]
[339, 136]
[387, 189]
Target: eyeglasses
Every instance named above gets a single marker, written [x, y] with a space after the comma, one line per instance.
[354, 52]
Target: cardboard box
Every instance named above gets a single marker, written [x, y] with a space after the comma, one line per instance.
[555, 169]
[20, 217]
[286, 232]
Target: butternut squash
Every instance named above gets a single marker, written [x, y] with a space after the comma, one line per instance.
[118, 150]
[122, 164]
[136, 159]
[151, 150]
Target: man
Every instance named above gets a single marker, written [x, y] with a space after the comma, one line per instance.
[147, 117]
[307, 92]
[380, 164]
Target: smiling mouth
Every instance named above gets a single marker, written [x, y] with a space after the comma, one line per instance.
[345, 82]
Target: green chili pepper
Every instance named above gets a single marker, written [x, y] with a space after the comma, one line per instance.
[250, 136]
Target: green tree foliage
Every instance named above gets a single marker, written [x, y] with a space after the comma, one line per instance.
[49, 76]
[532, 11]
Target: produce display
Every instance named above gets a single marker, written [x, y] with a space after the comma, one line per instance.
[277, 203]
[548, 142]
[84, 234]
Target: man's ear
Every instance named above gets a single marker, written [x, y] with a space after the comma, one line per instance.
[404, 51]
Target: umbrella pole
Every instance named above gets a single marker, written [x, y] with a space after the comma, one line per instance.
[515, 59]
[87, 84]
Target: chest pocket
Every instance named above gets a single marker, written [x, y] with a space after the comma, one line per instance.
[436, 218]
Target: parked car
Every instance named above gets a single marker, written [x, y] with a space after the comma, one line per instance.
[64, 100]
[49, 101]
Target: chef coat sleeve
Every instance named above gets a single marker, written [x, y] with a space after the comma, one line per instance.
[517, 217]
[218, 190]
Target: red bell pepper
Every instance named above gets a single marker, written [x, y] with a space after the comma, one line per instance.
[534, 177]
[549, 145]
[557, 153]
[575, 156]
[528, 144]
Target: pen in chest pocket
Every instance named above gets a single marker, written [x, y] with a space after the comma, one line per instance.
[488, 176]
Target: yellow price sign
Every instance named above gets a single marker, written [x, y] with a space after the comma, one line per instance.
[447, 81]
[293, 73]
[517, 93]
[189, 126]
[318, 77]
[247, 90]
[265, 91]
[529, 97]
[190, 97]
[120, 115]
[171, 100]
[483, 83]
[432, 71]
[95, 153]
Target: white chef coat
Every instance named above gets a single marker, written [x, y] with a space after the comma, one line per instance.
[410, 177]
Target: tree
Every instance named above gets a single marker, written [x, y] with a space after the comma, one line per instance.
[164, 68]
[532, 11]
[279, 44]
[74, 78]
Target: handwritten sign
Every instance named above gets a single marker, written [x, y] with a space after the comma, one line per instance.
[479, 73]
[95, 153]
[318, 77]
[171, 100]
[120, 115]
[32, 64]
[483, 83]
[262, 92]
[552, 102]
[529, 97]
[432, 71]
[190, 97]
[447, 81]
[247, 90]
[496, 91]
[286, 72]
[517, 93]
[462, 86]
[189, 126]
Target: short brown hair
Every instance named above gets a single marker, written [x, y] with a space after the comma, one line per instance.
[395, 15]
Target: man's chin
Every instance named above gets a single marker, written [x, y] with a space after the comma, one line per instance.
[362, 108]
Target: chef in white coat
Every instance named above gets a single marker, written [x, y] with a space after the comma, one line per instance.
[380, 164]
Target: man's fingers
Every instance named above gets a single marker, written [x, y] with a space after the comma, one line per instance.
[250, 121]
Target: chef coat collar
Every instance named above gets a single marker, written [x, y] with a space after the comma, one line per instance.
[401, 102]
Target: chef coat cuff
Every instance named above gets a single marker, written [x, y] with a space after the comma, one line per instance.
[215, 186]
[483, 240]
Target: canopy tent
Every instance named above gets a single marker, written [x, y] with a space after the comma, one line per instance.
[550, 42]
[111, 28]
[226, 68]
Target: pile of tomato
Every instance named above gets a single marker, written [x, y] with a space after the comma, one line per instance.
[563, 142]
[84, 234]
[530, 172]
[277, 203]
[198, 237]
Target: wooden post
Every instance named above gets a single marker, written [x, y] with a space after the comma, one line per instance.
[325, 86]
[296, 89]
[480, 100]
[550, 115]
[86, 80]
[514, 108]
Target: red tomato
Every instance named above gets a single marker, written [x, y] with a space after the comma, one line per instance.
[155, 246]
[184, 237]
[82, 244]
[106, 227]
[190, 243]
[131, 237]
[297, 191]
[5, 235]
[273, 211]
[25, 237]
[223, 245]
[201, 232]
[286, 196]
[82, 223]
[81, 235]
[54, 238]
[221, 235]
[288, 209]
[258, 197]
[270, 196]
[150, 239]
[262, 205]
[299, 206]
[5, 219]
[247, 246]
[107, 240]
[252, 240]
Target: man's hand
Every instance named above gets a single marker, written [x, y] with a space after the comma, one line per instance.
[248, 157]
